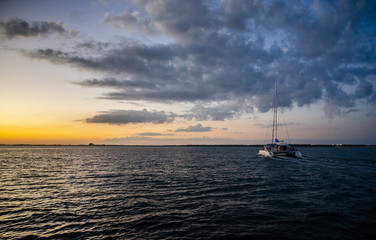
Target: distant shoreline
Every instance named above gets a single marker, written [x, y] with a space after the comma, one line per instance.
[185, 145]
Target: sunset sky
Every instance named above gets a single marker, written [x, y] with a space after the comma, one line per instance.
[186, 72]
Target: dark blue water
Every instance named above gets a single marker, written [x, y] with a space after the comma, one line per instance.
[186, 193]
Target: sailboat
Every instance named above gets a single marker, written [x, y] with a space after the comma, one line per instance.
[278, 147]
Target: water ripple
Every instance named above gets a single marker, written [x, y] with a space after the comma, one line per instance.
[185, 193]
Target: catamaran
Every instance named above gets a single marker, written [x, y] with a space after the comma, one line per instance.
[278, 147]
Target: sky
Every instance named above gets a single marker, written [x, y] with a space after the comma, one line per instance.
[171, 72]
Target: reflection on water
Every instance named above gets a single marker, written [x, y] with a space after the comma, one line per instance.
[186, 192]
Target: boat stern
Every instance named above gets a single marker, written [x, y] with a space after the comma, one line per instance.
[265, 153]
[298, 154]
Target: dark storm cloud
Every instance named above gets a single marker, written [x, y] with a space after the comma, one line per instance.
[119, 117]
[195, 128]
[237, 13]
[186, 20]
[161, 95]
[133, 60]
[20, 28]
[222, 53]
[116, 83]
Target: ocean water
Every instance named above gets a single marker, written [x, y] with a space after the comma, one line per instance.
[186, 193]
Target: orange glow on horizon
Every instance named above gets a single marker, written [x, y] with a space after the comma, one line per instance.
[75, 133]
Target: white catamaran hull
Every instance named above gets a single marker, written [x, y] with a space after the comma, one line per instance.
[267, 153]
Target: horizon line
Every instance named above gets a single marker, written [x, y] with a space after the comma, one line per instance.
[188, 145]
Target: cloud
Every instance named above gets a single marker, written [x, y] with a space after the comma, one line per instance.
[237, 13]
[131, 59]
[116, 83]
[131, 21]
[20, 28]
[184, 20]
[265, 125]
[151, 134]
[196, 128]
[221, 110]
[143, 140]
[119, 117]
[220, 53]
[332, 110]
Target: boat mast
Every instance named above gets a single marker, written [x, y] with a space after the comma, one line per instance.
[275, 114]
